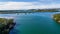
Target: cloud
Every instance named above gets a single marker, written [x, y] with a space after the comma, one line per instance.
[26, 5]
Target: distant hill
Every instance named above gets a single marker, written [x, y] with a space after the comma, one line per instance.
[30, 10]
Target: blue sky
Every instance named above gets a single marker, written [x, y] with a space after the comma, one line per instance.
[44, 1]
[19, 0]
[28, 4]
[28, 0]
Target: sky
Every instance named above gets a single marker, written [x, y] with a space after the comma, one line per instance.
[28, 4]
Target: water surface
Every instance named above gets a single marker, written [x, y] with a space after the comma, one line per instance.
[34, 23]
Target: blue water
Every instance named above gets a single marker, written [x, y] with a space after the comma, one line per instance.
[34, 23]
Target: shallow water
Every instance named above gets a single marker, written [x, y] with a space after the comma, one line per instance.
[34, 23]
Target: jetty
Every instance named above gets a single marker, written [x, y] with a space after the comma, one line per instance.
[6, 24]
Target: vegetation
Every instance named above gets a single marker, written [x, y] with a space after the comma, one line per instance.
[56, 17]
[44, 10]
[6, 25]
[5, 21]
[28, 11]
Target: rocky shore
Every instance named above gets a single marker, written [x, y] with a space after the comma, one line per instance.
[6, 25]
[56, 17]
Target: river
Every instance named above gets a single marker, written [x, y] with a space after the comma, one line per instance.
[34, 23]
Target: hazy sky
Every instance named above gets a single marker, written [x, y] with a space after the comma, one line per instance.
[28, 4]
